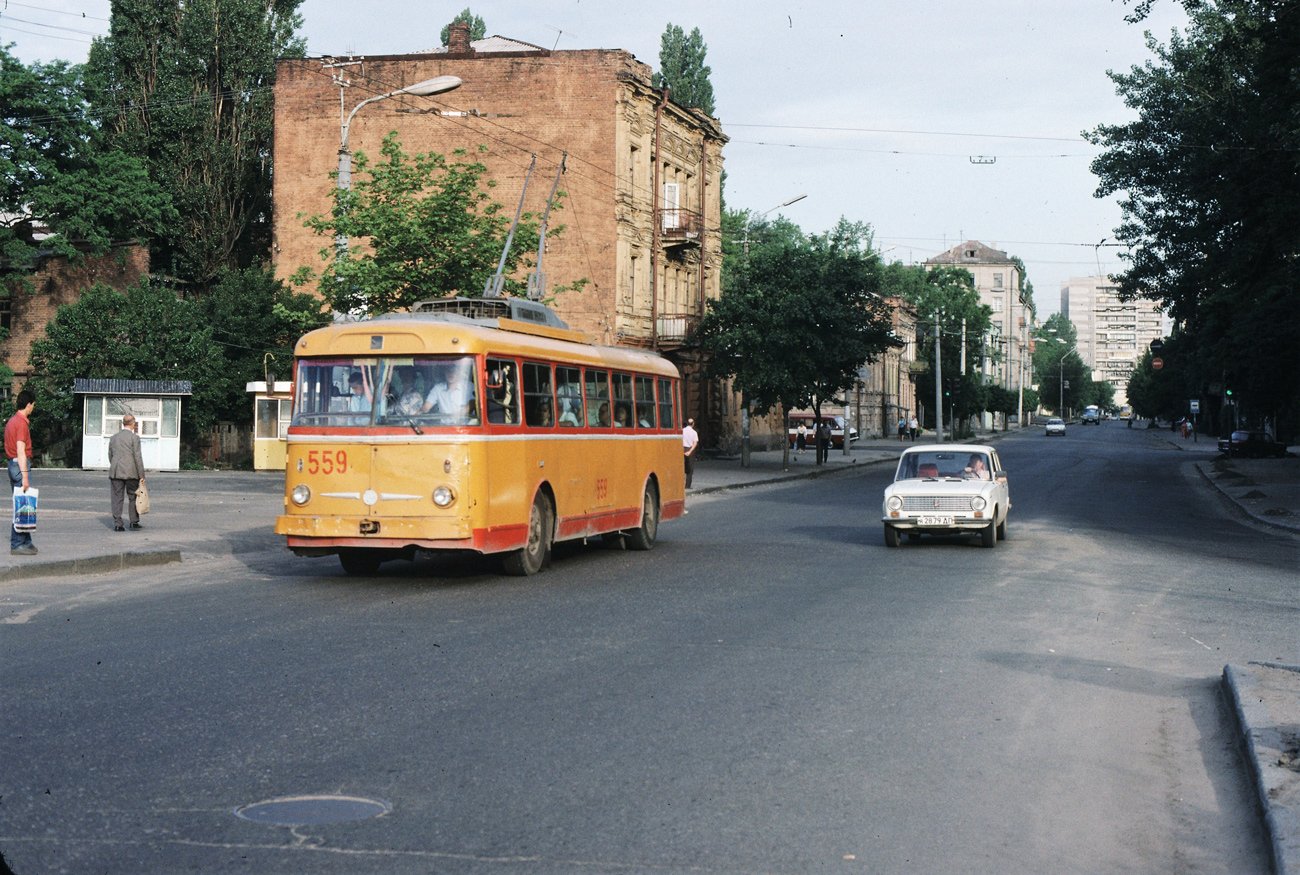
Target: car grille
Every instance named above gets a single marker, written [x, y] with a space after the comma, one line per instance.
[921, 503]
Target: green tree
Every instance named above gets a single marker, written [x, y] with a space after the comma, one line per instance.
[419, 227]
[58, 176]
[1055, 360]
[256, 320]
[144, 333]
[682, 69]
[950, 292]
[1210, 194]
[187, 87]
[795, 327]
[477, 28]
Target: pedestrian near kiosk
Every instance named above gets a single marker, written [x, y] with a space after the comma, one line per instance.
[18, 450]
[125, 473]
[690, 440]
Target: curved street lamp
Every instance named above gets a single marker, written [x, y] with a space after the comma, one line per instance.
[436, 85]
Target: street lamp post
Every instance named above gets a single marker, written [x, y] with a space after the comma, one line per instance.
[436, 85]
[1060, 382]
[744, 401]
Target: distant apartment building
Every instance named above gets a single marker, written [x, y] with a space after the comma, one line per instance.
[641, 214]
[1112, 334]
[1000, 285]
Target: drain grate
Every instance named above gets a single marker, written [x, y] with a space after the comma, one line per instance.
[312, 810]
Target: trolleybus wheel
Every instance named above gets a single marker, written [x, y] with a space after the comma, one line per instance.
[643, 537]
[360, 561]
[531, 558]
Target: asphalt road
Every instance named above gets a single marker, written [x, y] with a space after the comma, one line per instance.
[769, 690]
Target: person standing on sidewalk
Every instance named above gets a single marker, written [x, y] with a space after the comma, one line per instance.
[18, 450]
[125, 472]
[913, 426]
[690, 440]
[823, 441]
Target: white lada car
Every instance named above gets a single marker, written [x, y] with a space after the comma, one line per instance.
[947, 489]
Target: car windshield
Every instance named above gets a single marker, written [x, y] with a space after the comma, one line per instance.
[937, 464]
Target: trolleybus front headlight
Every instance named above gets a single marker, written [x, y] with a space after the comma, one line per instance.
[443, 496]
[300, 495]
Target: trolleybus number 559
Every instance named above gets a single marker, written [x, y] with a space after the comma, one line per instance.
[327, 461]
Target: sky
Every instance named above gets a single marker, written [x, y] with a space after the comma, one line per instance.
[935, 121]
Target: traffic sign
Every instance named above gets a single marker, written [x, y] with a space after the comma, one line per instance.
[1194, 405]
[1157, 363]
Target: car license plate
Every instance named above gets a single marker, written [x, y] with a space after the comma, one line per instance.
[934, 521]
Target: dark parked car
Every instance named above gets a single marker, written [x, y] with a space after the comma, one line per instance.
[1251, 445]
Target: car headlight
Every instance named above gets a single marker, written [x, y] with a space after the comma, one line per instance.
[894, 502]
[978, 503]
[300, 495]
[443, 496]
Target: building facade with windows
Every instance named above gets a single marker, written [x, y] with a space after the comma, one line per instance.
[641, 180]
[1000, 284]
[1112, 334]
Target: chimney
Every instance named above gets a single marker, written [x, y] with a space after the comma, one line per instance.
[458, 39]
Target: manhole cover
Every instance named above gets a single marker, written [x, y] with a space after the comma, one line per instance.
[312, 810]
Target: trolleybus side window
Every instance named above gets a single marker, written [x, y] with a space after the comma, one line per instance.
[645, 402]
[622, 400]
[568, 392]
[502, 392]
[538, 406]
[665, 403]
[598, 413]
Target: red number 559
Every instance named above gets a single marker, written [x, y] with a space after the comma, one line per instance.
[327, 461]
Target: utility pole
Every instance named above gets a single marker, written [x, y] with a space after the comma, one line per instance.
[938, 381]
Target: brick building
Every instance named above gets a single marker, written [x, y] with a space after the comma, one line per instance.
[642, 215]
[56, 282]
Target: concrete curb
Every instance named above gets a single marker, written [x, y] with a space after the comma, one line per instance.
[1263, 521]
[91, 564]
[1266, 749]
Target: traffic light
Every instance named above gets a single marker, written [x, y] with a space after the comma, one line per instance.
[1227, 393]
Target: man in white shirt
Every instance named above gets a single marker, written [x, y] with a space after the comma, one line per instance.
[451, 397]
[690, 440]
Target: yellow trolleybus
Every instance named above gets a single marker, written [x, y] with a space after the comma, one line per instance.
[480, 425]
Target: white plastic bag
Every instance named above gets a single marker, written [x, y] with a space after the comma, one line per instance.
[25, 509]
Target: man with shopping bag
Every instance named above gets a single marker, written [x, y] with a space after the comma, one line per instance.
[125, 472]
[18, 451]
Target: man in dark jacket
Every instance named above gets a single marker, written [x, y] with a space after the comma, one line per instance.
[125, 472]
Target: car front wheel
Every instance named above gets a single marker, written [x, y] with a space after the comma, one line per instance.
[989, 535]
[891, 536]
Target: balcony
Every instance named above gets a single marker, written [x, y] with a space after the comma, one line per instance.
[673, 329]
[680, 227]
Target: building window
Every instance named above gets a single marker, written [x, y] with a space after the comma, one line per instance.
[6, 314]
[997, 280]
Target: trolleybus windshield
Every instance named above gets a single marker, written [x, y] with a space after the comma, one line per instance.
[418, 391]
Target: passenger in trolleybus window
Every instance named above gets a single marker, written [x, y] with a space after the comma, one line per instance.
[360, 392]
[454, 395]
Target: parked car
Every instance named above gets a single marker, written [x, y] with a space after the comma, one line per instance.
[949, 489]
[1251, 445]
[837, 429]
[1055, 425]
